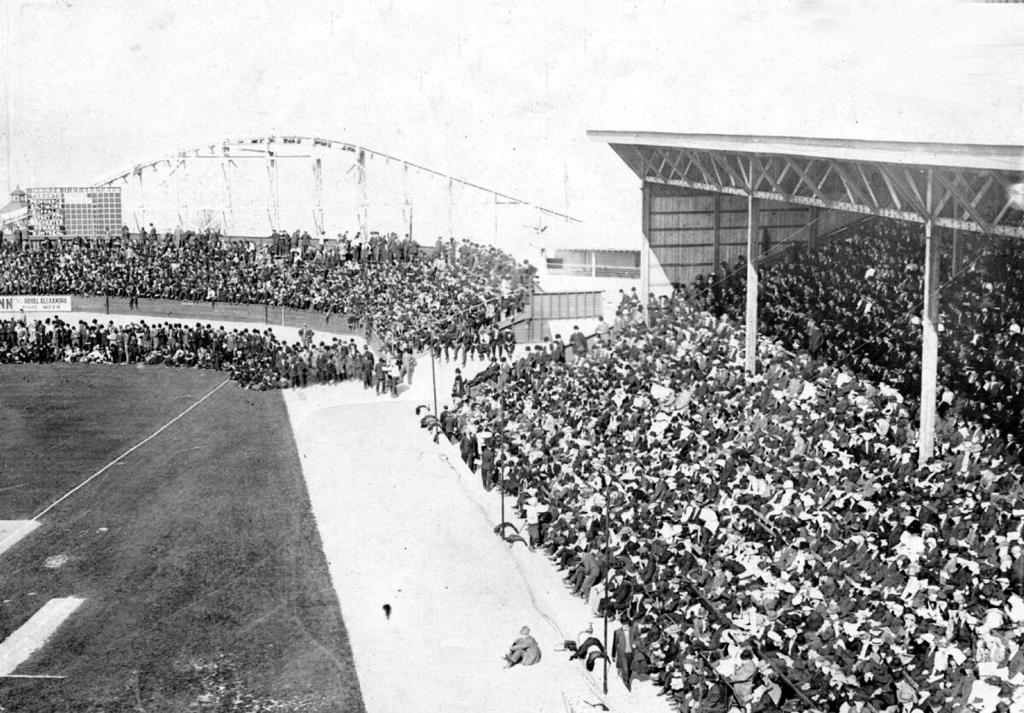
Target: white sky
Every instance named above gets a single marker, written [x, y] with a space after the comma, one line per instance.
[499, 93]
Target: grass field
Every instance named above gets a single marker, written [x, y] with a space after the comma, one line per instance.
[198, 556]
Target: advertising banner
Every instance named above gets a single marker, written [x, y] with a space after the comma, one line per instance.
[34, 303]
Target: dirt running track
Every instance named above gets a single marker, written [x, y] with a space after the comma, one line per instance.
[404, 523]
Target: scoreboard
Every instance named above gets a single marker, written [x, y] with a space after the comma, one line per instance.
[89, 212]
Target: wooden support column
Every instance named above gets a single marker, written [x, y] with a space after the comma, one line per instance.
[645, 251]
[929, 334]
[717, 237]
[753, 233]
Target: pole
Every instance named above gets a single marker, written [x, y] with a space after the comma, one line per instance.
[433, 379]
[717, 237]
[645, 252]
[318, 207]
[753, 219]
[813, 216]
[607, 561]
[227, 217]
[141, 222]
[451, 206]
[958, 253]
[929, 334]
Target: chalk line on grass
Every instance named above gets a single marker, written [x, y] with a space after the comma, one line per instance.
[18, 533]
[131, 450]
[13, 530]
[30, 636]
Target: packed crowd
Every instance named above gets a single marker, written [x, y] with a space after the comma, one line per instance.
[450, 299]
[255, 358]
[861, 298]
[773, 542]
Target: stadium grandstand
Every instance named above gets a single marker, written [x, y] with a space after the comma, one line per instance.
[796, 518]
[825, 515]
[291, 424]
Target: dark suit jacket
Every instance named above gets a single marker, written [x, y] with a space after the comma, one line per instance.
[619, 653]
[468, 447]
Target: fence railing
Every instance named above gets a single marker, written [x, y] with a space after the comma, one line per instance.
[567, 305]
[557, 267]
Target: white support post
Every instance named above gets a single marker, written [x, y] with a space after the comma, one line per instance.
[187, 206]
[179, 181]
[363, 210]
[318, 203]
[225, 169]
[408, 203]
[141, 221]
[813, 214]
[495, 218]
[929, 333]
[753, 230]
[716, 254]
[645, 251]
[274, 211]
[958, 254]
[451, 208]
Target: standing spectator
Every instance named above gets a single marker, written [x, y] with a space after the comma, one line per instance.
[469, 449]
[624, 649]
[815, 338]
[578, 342]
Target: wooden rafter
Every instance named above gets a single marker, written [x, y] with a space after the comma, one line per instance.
[872, 188]
[962, 199]
[867, 185]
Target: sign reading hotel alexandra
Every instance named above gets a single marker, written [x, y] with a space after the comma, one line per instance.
[35, 303]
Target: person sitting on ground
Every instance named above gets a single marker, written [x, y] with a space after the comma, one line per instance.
[588, 647]
[523, 650]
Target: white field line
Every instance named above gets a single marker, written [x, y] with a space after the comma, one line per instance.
[30, 636]
[98, 473]
[14, 530]
[26, 675]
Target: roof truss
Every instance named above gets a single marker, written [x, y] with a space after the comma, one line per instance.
[976, 200]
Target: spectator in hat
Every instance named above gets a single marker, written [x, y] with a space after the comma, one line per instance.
[524, 650]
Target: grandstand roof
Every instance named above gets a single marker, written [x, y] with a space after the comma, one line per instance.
[912, 153]
[974, 187]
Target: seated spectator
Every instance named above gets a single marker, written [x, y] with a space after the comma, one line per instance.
[523, 650]
[857, 302]
[782, 514]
